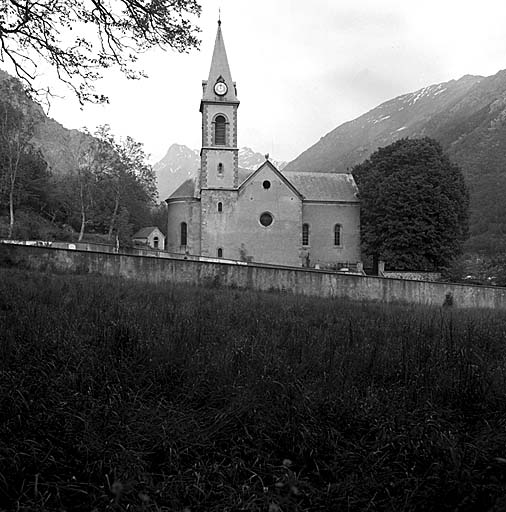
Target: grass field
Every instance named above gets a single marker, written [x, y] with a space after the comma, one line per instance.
[116, 395]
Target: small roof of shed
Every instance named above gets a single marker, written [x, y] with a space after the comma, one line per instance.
[145, 232]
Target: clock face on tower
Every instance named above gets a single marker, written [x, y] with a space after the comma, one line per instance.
[220, 88]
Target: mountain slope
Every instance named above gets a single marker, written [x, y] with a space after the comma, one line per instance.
[468, 118]
[404, 116]
[179, 163]
[58, 144]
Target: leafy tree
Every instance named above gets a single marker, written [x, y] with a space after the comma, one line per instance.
[127, 181]
[158, 217]
[414, 205]
[77, 191]
[23, 171]
[111, 189]
[79, 38]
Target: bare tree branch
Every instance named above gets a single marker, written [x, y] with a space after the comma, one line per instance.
[109, 33]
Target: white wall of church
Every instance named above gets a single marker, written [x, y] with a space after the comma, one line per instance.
[237, 229]
[280, 242]
[322, 217]
[187, 211]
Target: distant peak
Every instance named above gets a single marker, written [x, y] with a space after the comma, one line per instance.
[473, 77]
[176, 146]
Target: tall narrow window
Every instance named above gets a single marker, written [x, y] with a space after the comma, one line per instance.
[220, 125]
[220, 252]
[220, 207]
[155, 242]
[337, 234]
[305, 234]
[220, 169]
[184, 233]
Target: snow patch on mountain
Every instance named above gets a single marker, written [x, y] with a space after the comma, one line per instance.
[382, 119]
[440, 91]
[426, 93]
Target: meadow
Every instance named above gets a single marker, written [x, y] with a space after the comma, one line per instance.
[117, 395]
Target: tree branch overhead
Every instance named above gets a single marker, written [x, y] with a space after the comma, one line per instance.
[80, 38]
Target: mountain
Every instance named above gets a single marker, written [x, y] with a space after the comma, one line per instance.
[467, 116]
[249, 159]
[58, 144]
[180, 163]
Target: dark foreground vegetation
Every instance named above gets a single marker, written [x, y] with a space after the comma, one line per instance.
[124, 396]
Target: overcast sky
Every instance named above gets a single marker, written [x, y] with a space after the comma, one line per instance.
[302, 68]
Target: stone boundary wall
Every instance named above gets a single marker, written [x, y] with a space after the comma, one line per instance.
[412, 275]
[252, 276]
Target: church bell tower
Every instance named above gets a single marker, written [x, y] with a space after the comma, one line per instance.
[219, 156]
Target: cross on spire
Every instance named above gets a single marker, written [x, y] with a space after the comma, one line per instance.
[220, 70]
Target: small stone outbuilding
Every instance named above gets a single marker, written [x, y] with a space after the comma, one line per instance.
[150, 236]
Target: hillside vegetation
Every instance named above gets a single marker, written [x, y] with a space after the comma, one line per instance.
[123, 396]
[62, 184]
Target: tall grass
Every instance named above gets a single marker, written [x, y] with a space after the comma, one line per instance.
[116, 395]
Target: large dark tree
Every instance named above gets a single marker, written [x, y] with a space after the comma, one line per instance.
[414, 211]
[79, 38]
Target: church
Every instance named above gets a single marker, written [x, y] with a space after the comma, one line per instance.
[265, 216]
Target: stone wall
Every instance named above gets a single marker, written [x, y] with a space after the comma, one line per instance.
[255, 277]
[412, 275]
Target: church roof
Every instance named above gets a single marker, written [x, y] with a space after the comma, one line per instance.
[220, 70]
[312, 186]
[185, 190]
[145, 232]
[189, 187]
[324, 186]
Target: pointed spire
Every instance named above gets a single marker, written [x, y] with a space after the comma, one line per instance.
[220, 71]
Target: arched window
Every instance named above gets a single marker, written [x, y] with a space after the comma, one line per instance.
[184, 233]
[337, 234]
[155, 242]
[220, 207]
[220, 126]
[305, 234]
[220, 169]
[220, 252]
